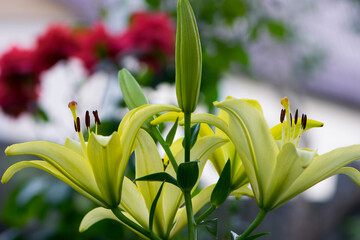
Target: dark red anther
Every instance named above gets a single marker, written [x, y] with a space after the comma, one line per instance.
[305, 121]
[290, 119]
[296, 116]
[78, 124]
[75, 126]
[87, 119]
[282, 115]
[96, 116]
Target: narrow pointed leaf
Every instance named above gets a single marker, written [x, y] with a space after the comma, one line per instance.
[172, 132]
[256, 236]
[211, 226]
[222, 187]
[159, 177]
[194, 134]
[153, 207]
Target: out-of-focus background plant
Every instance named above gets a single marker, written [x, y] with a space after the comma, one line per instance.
[253, 49]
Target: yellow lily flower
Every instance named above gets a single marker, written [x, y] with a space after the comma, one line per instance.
[277, 168]
[95, 168]
[169, 218]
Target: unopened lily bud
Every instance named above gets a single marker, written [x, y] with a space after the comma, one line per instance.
[131, 90]
[132, 93]
[188, 58]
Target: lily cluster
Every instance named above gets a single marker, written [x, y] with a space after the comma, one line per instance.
[250, 158]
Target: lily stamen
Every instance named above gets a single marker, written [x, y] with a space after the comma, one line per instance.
[97, 120]
[87, 121]
[72, 105]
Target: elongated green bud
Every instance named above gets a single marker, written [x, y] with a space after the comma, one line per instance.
[188, 58]
[131, 90]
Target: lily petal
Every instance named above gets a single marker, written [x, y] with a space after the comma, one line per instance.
[148, 161]
[167, 117]
[133, 202]
[351, 172]
[99, 214]
[95, 216]
[47, 167]
[320, 168]
[72, 165]
[104, 154]
[253, 141]
[288, 168]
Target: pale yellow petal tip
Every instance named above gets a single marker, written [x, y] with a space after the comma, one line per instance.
[285, 102]
[8, 150]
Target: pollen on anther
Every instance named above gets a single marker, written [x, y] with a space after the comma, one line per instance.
[75, 127]
[305, 121]
[87, 119]
[96, 116]
[282, 115]
[78, 124]
[296, 116]
[291, 119]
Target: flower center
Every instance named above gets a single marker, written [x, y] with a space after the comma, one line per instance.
[73, 105]
[291, 128]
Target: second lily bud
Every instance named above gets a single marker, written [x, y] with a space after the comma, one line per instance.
[188, 58]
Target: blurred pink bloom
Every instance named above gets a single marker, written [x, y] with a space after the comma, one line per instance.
[18, 81]
[151, 36]
[97, 44]
[56, 44]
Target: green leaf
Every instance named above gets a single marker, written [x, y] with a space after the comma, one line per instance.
[223, 186]
[277, 29]
[256, 236]
[187, 175]
[172, 132]
[194, 134]
[153, 3]
[211, 226]
[159, 177]
[153, 207]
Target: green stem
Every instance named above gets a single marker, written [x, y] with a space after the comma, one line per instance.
[187, 136]
[190, 216]
[155, 131]
[117, 212]
[261, 215]
[187, 194]
[207, 213]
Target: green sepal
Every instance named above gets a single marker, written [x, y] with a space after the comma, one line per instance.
[187, 175]
[171, 135]
[211, 226]
[153, 207]
[223, 186]
[194, 135]
[159, 177]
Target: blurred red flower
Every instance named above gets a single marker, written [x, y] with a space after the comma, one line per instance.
[151, 36]
[56, 44]
[96, 45]
[18, 81]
